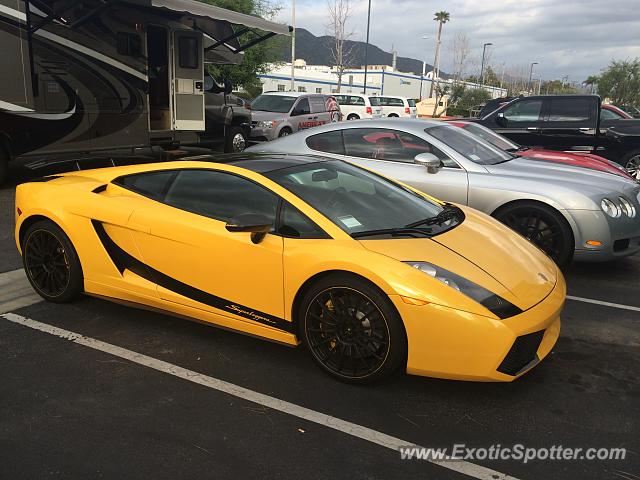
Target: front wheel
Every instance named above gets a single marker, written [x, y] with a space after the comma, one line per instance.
[236, 140]
[353, 116]
[285, 132]
[542, 226]
[51, 262]
[352, 329]
[632, 163]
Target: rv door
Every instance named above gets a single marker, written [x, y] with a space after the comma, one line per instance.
[188, 81]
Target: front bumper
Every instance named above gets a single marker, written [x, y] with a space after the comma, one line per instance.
[448, 343]
[260, 134]
[620, 237]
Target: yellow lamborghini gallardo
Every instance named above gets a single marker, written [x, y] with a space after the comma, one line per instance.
[369, 274]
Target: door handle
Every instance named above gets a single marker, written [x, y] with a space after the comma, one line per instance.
[532, 129]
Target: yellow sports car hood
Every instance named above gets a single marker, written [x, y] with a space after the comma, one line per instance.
[485, 252]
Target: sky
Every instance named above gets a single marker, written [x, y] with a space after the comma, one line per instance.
[577, 38]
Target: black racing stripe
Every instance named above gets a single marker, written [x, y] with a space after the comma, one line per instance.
[124, 261]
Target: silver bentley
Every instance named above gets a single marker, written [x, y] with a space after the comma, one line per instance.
[569, 212]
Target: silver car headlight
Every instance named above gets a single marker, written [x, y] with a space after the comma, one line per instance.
[497, 305]
[610, 208]
[627, 207]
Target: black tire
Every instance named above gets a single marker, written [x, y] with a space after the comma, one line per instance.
[543, 226]
[393, 115]
[51, 263]
[353, 116]
[4, 165]
[236, 140]
[631, 161]
[361, 341]
[284, 132]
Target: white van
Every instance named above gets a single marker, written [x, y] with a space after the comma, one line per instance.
[398, 106]
[356, 106]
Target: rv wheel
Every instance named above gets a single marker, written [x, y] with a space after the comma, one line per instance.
[4, 166]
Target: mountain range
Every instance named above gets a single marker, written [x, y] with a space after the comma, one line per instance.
[317, 51]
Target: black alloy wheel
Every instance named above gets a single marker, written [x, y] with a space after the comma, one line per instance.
[353, 332]
[51, 262]
[543, 227]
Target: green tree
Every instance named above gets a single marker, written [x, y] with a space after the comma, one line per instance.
[590, 81]
[256, 58]
[620, 82]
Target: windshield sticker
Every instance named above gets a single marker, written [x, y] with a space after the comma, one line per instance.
[350, 221]
[474, 157]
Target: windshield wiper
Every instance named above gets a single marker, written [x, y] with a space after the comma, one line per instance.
[449, 213]
[394, 232]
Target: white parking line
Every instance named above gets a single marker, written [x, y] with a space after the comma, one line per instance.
[605, 304]
[364, 433]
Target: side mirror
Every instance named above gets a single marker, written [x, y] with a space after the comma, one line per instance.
[228, 87]
[501, 120]
[258, 225]
[209, 82]
[428, 160]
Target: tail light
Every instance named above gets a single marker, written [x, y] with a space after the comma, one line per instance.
[369, 110]
[407, 110]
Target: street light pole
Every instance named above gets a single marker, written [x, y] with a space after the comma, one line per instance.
[366, 48]
[484, 49]
[530, 75]
[293, 45]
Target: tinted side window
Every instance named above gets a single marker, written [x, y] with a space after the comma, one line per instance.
[392, 145]
[569, 110]
[357, 101]
[606, 114]
[330, 142]
[151, 184]
[188, 52]
[395, 102]
[302, 107]
[220, 195]
[318, 105]
[295, 224]
[524, 111]
[375, 101]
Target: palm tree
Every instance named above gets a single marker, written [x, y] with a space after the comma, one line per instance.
[441, 17]
[591, 81]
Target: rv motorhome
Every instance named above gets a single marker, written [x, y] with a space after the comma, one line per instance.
[83, 78]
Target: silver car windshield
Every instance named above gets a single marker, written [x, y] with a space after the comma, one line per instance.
[495, 139]
[363, 203]
[468, 145]
[273, 103]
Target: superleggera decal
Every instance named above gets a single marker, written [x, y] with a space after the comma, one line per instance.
[124, 261]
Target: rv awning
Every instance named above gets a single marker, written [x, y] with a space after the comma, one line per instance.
[195, 8]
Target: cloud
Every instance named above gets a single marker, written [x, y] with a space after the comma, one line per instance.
[571, 37]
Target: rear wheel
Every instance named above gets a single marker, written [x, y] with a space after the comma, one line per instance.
[353, 116]
[284, 132]
[631, 162]
[51, 262]
[541, 225]
[236, 140]
[352, 329]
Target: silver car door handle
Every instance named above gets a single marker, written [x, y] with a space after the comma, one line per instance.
[531, 129]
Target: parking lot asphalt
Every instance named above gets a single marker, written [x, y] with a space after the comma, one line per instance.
[71, 411]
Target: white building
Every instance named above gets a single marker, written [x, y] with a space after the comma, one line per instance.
[381, 80]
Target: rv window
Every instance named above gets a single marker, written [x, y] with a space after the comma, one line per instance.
[188, 52]
[129, 44]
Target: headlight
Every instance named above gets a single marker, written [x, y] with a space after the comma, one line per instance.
[492, 302]
[627, 207]
[610, 208]
[266, 124]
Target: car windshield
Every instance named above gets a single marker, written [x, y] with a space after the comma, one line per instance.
[375, 101]
[362, 203]
[468, 145]
[273, 103]
[495, 139]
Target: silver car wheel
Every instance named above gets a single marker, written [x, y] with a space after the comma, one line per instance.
[238, 142]
[633, 167]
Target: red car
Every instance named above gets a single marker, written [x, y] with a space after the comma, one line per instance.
[580, 159]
